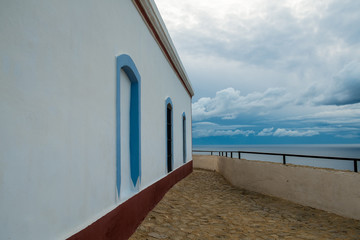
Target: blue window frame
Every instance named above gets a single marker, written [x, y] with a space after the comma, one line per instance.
[125, 63]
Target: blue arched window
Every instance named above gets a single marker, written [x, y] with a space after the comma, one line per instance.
[125, 63]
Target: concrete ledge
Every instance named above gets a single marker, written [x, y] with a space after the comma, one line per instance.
[330, 190]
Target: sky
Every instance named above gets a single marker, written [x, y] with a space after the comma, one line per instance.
[270, 72]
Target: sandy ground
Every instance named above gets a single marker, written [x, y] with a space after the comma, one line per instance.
[205, 206]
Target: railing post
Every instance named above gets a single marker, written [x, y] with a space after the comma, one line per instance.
[239, 155]
[219, 154]
[284, 159]
[231, 154]
[226, 154]
[355, 166]
[211, 153]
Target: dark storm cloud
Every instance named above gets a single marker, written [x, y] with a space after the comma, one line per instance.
[346, 87]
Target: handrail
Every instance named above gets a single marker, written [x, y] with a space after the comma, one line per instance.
[284, 155]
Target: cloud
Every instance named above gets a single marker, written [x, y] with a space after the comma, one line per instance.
[277, 34]
[341, 18]
[348, 136]
[218, 126]
[229, 103]
[291, 64]
[330, 114]
[299, 42]
[266, 132]
[281, 132]
[346, 87]
[208, 129]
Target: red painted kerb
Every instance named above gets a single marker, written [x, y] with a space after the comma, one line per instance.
[122, 222]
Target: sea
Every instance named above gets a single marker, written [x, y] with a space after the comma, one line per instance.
[328, 150]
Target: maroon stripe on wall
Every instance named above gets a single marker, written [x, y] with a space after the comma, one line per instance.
[122, 222]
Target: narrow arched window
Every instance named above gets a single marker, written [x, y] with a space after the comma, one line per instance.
[125, 63]
[184, 136]
[169, 135]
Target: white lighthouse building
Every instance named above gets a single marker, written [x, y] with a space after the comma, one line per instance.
[95, 117]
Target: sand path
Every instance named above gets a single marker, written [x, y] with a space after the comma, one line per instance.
[205, 206]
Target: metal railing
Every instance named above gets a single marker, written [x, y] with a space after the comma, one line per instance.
[284, 155]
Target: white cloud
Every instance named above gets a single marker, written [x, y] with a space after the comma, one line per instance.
[347, 115]
[208, 129]
[217, 126]
[229, 103]
[233, 132]
[266, 132]
[280, 132]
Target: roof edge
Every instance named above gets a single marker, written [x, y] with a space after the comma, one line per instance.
[157, 28]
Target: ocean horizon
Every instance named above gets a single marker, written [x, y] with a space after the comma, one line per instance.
[328, 150]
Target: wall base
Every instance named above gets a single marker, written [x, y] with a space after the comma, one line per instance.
[122, 222]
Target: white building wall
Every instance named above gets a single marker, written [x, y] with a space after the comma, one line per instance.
[167, 85]
[57, 112]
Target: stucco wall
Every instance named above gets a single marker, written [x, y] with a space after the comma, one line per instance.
[206, 162]
[58, 116]
[330, 190]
